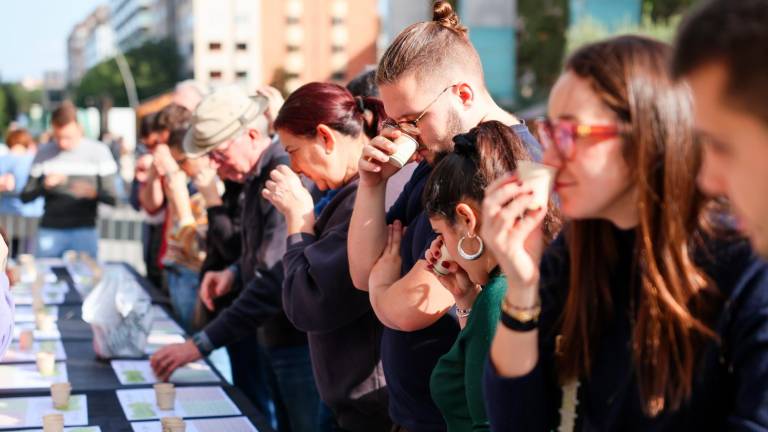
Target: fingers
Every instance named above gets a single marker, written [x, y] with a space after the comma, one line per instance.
[502, 194]
[371, 153]
[205, 290]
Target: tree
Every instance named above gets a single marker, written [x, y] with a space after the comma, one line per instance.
[155, 68]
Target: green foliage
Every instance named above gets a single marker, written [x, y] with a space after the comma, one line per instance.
[589, 30]
[661, 10]
[155, 68]
[541, 44]
[3, 115]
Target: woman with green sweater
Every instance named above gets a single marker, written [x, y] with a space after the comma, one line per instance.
[452, 198]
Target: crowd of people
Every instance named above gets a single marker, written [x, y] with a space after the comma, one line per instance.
[634, 297]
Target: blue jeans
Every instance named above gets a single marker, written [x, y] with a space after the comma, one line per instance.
[183, 284]
[53, 242]
[297, 402]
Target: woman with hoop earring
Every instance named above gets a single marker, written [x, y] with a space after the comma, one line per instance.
[471, 273]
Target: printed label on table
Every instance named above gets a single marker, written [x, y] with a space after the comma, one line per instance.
[140, 404]
[28, 412]
[155, 341]
[70, 429]
[135, 372]
[52, 334]
[25, 314]
[49, 298]
[165, 326]
[229, 424]
[16, 355]
[26, 376]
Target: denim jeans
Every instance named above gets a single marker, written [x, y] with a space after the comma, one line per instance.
[53, 242]
[250, 372]
[183, 284]
[297, 402]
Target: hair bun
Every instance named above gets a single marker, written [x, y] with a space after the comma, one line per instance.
[466, 144]
[443, 14]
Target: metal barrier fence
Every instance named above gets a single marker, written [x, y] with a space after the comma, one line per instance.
[120, 235]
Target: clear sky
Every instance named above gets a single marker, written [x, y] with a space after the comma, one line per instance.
[33, 35]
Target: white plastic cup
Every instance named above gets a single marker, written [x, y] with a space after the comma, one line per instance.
[53, 423]
[540, 178]
[44, 322]
[440, 268]
[406, 147]
[60, 393]
[165, 396]
[46, 363]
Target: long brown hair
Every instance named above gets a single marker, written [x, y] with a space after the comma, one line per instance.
[629, 74]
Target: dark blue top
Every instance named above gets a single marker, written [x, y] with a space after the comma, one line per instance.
[409, 357]
[730, 384]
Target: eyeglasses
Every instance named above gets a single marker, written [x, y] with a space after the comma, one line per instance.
[411, 127]
[220, 152]
[562, 135]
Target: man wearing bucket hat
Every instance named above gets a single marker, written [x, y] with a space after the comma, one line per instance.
[234, 131]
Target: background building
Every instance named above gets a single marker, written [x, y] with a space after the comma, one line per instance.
[138, 21]
[90, 42]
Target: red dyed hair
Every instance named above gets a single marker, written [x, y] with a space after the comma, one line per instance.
[332, 105]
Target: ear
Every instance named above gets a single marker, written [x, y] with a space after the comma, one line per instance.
[465, 92]
[329, 139]
[467, 217]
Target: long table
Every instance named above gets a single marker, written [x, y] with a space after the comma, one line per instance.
[96, 379]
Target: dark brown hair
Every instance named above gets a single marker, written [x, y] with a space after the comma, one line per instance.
[429, 48]
[630, 75]
[332, 105]
[172, 117]
[485, 153]
[19, 137]
[64, 114]
[734, 32]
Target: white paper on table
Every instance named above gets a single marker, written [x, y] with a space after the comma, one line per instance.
[38, 335]
[229, 424]
[49, 298]
[159, 313]
[166, 326]
[26, 376]
[140, 404]
[16, 355]
[28, 412]
[70, 429]
[26, 314]
[136, 372]
[155, 341]
[48, 287]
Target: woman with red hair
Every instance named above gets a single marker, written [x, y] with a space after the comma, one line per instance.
[324, 129]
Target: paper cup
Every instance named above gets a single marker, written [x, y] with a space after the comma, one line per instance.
[440, 268]
[173, 424]
[44, 322]
[26, 338]
[46, 363]
[540, 178]
[53, 423]
[60, 393]
[406, 147]
[165, 396]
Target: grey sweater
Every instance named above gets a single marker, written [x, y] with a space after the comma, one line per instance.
[89, 165]
[344, 334]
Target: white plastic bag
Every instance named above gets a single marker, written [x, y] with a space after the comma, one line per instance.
[120, 314]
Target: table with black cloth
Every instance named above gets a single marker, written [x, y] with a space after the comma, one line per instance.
[95, 377]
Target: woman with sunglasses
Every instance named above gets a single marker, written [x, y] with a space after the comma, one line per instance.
[646, 313]
[324, 128]
[470, 273]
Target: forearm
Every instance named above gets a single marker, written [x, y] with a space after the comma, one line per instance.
[178, 198]
[33, 189]
[367, 233]
[107, 193]
[414, 302]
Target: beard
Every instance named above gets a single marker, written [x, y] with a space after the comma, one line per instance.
[444, 143]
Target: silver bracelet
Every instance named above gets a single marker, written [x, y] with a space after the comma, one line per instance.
[462, 313]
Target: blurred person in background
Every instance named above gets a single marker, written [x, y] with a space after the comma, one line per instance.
[7, 308]
[721, 53]
[73, 174]
[187, 221]
[188, 94]
[14, 172]
[152, 224]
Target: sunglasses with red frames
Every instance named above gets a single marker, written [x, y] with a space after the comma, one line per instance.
[562, 135]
